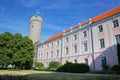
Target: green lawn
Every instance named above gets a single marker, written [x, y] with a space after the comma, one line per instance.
[37, 75]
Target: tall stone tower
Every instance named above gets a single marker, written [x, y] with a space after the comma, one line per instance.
[35, 32]
[35, 28]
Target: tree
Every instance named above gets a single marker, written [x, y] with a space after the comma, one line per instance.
[5, 52]
[16, 50]
[23, 52]
[118, 52]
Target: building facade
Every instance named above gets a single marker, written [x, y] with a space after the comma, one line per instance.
[92, 42]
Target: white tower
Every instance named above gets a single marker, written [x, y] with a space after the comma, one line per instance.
[35, 28]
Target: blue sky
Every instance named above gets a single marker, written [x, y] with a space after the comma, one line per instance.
[58, 14]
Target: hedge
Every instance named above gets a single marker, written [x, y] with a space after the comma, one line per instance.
[74, 68]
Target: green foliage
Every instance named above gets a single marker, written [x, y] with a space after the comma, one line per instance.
[54, 65]
[16, 50]
[116, 69]
[105, 67]
[39, 66]
[74, 67]
[118, 52]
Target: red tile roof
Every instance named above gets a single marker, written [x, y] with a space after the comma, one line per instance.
[95, 19]
[106, 14]
[53, 37]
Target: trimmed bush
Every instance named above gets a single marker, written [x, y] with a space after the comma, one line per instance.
[116, 69]
[54, 65]
[74, 68]
[39, 66]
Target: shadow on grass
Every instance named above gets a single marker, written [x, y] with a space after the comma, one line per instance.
[13, 77]
[53, 76]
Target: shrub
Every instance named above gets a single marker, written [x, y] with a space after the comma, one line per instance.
[116, 69]
[39, 66]
[74, 68]
[105, 67]
[54, 65]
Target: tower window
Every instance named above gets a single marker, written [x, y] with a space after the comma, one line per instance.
[32, 26]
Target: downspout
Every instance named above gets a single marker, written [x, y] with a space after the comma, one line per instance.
[61, 47]
[92, 45]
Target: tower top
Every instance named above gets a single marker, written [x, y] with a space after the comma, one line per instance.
[36, 18]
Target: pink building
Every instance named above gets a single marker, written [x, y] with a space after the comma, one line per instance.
[92, 42]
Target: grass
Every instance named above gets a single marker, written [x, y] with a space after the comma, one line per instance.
[38, 75]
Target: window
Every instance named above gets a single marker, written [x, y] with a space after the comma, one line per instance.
[52, 44]
[86, 61]
[41, 56]
[117, 38]
[102, 44]
[103, 62]
[75, 61]
[66, 40]
[51, 54]
[66, 51]
[100, 28]
[75, 48]
[75, 37]
[57, 43]
[57, 52]
[115, 23]
[47, 45]
[84, 34]
[32, 26]
[85, 46]
[47, 55]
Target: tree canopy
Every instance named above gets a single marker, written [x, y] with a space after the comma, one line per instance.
[16, 50]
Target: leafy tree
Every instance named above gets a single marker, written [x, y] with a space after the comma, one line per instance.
[16, 50]
[118, 52]
[5, 49]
